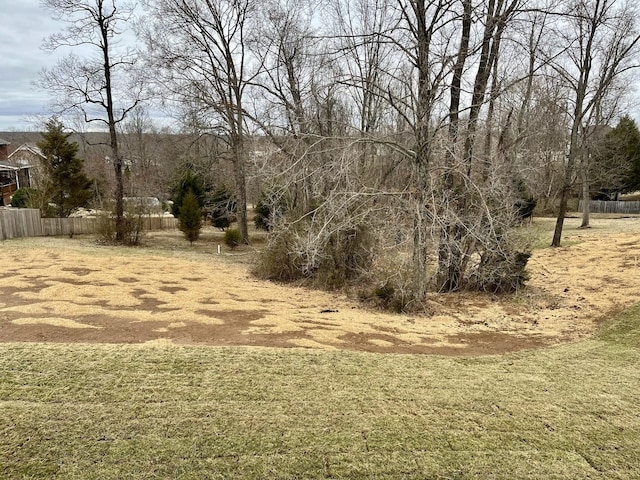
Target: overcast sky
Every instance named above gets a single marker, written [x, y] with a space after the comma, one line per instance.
[24, 25]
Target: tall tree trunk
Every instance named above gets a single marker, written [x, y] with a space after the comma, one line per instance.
[446, 254]
[420, 229]
[423, 153]
[113, 135]
[117, 165]
[562, 211]
[586, 197]
[451, 274]
[568, 175]
[239, 162]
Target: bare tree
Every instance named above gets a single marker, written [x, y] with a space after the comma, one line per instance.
[285, 97]
[200, 49]
[149, 155]
[287, 47]
[426, 26]
[360, 31]
[102, 85]
[602, 44]
[432, 67]
[373, 123]
[455, 213]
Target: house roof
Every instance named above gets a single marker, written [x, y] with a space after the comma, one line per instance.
[5, 166]
[4, 142]
[28, 147]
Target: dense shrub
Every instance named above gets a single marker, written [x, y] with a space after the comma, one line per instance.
[524, 208]
[344, 257]
[279, 260]
[232, 238]
[25, 197]
[389, 297]
[329, 262]
[502, 272]
[133, 227]
[106, 228]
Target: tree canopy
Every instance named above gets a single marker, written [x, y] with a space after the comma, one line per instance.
[391, 126]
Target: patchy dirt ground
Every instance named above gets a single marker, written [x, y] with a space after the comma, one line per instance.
[60, 290]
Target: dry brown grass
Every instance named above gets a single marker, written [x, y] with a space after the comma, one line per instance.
[56, 289]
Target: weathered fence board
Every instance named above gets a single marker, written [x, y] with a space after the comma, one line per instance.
[602, 206]
[68, 226]
[26, 222]
[160, 223]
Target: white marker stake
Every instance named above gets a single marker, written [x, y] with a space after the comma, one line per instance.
[218, 249]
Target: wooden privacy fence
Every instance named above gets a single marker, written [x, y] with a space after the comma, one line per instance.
[23, 222]
[26, 222]
[602, 206]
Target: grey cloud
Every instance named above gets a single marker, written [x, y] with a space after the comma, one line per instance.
[24, 26]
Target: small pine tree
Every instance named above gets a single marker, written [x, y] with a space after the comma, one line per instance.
[262, 211]
[190, 217]
[24, 197]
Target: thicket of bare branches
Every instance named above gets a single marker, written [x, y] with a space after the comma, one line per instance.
[398, 139]
[411, 165]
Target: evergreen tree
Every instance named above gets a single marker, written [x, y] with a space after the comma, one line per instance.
[262, 212]
[188, 181]
[625, 140]
[190, 217]
[24, 198]
[67, 185]
[223, 207]
[617, 157]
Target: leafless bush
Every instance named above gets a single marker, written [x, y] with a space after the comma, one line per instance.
[391, 284]
[320, 247]
[477, 232]
[106, 228]
[132, 227]
[278, 260]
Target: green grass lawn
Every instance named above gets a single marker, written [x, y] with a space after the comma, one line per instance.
[118, 412]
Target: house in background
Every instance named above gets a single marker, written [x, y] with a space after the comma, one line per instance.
[26, 155]
[14, 172]
[4, 150]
